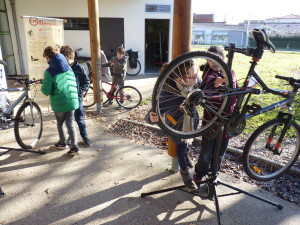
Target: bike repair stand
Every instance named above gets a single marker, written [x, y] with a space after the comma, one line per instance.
[212, 182]
[21, 150]
[2, 194]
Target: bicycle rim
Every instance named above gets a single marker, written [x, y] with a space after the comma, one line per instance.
[88, 98]
[173, 106]
[260, 161]
[133, 71]
[28, 125]
[128, 97]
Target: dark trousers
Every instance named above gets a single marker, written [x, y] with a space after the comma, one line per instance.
[202, 167]
[79, 118]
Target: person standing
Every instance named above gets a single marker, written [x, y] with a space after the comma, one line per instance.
[83, 83]
[213, 78]
[59, 83]
[119, 68]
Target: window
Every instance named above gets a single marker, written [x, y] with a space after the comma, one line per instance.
[158, 8]
[76, 24]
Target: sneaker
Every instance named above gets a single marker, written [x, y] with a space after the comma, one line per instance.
[61, 146]
[73, 151]
[188, 161]
[87, 142]
[187, 180]
[197, 178]
[108, 102]
[202, 188]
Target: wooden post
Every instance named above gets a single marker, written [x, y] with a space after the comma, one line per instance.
[95, 49]
[182, 38]
[182, 27]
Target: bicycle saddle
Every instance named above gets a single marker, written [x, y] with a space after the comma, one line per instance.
[262, 39]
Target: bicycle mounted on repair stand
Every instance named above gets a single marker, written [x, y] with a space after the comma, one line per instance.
[198, 101]
[280, 147]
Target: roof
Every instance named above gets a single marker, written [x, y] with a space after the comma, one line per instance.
[290, 16]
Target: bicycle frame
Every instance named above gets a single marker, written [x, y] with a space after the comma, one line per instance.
[17, 101]
[244, 90]
[108, 95]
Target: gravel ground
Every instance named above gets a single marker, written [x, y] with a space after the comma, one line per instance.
[286, 187]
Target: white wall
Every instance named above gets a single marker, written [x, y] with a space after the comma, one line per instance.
[133, 12]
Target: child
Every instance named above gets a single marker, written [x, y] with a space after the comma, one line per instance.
[60, 83]
[212, 77]
[179, 83]
[118, 74]
[83, 83]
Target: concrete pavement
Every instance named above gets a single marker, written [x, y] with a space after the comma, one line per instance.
[104, 183]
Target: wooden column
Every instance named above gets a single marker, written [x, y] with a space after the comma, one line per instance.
[182, 38]
[95, 49]
[182, 27]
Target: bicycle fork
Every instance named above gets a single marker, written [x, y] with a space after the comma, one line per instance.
[290, 117]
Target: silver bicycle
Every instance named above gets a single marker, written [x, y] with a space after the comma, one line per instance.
[28, 121]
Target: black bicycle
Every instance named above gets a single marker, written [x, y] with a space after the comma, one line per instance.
[28, 121]
[273, 148]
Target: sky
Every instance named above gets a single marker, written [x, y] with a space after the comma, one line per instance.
[235, 11]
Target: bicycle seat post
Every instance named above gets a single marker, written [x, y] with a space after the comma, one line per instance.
[230, 54]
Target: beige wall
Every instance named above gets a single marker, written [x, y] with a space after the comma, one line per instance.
[133, 12]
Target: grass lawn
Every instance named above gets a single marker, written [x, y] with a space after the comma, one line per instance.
[280, 63]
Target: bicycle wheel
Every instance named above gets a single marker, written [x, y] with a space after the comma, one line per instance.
[128, 97]
[133, 71]
[88, 98]
[28, 126]
[176, 101]
[261, 160]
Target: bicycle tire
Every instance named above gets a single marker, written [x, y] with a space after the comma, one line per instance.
[88, 98]
[133, 71]
[132, 98]
[161, 95]
[259, 162]
[28, 127]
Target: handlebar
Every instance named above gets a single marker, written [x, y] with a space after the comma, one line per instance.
[26, 80]
[292, 81]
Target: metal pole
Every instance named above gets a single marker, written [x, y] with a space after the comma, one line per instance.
[95, 50]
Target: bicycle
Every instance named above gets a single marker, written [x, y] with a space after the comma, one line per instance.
[215, 102]
[28, 122]
[133, 64]
[127, 97]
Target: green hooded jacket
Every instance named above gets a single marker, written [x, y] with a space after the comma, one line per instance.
[60, 83]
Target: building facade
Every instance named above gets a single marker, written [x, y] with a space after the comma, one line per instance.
[140, 25]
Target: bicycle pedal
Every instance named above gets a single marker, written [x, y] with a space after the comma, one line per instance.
[254, 108]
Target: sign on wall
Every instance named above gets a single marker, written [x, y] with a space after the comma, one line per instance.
[40, 32]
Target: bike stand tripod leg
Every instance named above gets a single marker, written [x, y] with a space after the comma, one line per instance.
[212, 183]
[20, 150]
[2, 194]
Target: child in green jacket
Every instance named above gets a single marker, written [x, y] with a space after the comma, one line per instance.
[60, 83]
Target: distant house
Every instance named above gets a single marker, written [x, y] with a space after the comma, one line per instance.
[218, 33]
[222, 34]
